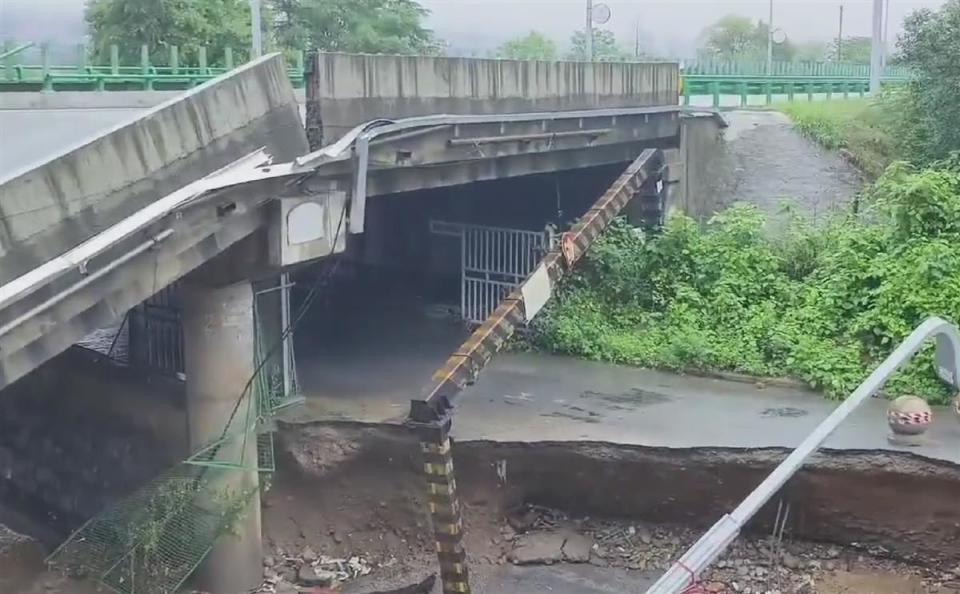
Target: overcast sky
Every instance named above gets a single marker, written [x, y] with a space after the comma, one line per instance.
[668, 27]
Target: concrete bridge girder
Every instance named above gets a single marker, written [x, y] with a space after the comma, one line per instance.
[219, 236]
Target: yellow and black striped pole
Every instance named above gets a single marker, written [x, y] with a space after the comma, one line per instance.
[431, 417]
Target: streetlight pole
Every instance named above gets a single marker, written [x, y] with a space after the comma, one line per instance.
[886, 33]
[876, 53]
[840, 37]
[770, 41]
[589, 31]
[256, 36]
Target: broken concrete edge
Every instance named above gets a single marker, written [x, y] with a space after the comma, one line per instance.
[826, 458]
[169, 100]
[40, 101]
[706, 112]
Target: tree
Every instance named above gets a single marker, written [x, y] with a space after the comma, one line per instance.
[359, 26]
[736, 37]
[930, 44]
[732, 37]
[812, 51]
[854, 50]
[188, 24]
[533, 46]
[605, 47]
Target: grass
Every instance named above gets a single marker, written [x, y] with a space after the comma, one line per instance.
[856, 126]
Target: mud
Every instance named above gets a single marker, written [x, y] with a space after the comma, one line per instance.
[769, 162]
[897, 503]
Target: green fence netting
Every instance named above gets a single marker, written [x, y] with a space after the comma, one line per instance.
[151, 541]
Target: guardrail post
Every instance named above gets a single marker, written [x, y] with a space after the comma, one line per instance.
[715, 91]
[846, 90]
[768, 88]
[114, 59]
[81, 57]
[790, 91]
[744, 92]
[829, 86]
[860, 89]
[228, 57]
[203, 60]
[810, 92]
[8, 46]
[174, 59]
[45, 66]
[686, 91]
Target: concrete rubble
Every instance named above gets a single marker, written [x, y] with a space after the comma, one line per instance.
[751, 566]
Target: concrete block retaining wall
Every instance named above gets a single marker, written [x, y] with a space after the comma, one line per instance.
[80, 433]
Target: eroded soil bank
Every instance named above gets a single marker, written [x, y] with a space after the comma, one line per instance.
[887, 522]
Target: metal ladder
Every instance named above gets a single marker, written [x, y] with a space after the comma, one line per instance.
[683, 574]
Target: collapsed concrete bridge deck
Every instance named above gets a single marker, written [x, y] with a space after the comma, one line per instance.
[218, 188]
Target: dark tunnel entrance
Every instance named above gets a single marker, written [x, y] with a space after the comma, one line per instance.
[388, 312]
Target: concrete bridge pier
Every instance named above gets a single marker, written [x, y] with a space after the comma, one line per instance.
[218, 337]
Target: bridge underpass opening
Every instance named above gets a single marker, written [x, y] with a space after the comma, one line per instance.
[391, 312]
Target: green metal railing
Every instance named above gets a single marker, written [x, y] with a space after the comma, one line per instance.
[787, 88]
[31, 67]
[781, 69]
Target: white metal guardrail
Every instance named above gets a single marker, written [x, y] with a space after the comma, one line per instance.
[712, 544]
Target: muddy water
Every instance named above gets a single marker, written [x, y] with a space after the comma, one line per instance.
[770, 162]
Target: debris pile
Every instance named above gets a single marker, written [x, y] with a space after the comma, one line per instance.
[750, 565]
[310, 572]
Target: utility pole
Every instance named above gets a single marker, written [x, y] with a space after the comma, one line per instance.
[636, 32]
[770, 41]
[840, 37]
[589, 31]
[876, 54]
[256, 36]
[886, 33]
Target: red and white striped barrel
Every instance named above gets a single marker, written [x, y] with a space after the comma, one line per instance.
[909, 415]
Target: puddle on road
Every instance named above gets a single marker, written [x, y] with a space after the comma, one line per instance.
[784, 412]
[636, 397]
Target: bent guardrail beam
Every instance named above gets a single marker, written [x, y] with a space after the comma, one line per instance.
[712, 544]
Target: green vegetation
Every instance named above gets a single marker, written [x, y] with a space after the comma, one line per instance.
[359, 26]
[930, 115]
[364, 26]
[918, 122]
[533, 46]
[155, 23]
[823, 304]
[854, 50]
[736, 37]
[606, 48]
[859, 127]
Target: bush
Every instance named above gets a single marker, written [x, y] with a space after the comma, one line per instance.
[822, 304]
[861, 127]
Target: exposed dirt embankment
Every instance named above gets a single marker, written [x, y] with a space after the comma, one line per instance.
[899, 504]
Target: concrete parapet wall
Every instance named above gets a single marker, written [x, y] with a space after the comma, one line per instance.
[50, 208]
[356, 88]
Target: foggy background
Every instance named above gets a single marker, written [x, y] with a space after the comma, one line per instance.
[667, 27]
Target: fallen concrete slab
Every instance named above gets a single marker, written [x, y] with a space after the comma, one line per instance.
[47, 210]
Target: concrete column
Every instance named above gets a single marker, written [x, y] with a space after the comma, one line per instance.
[218, 336]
